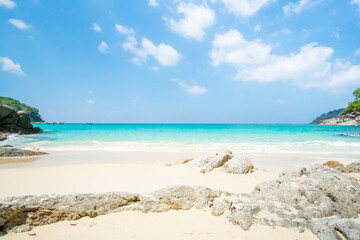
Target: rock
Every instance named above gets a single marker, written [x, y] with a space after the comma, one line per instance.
[15, 152]
[217, 161]
[244, 216]
[22, 228]
[3, 137]
[238, 165]
[333, 164]
[219, 206]
[5, 111]
[47, 209]
[351, 168]
[224, 159]
[15, 122]
[334, 228]
[24, 119]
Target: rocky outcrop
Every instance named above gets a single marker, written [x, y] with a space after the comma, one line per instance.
[350, 119]
[16, 122]
[225, 160]
[9, 151]
[46, 209]
[351, 168]
[317, 198]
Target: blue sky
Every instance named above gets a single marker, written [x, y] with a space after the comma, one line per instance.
[214, 61]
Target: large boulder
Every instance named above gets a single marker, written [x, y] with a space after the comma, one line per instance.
[5, 111]
[6, 151]
[16, 122]
[238, 165]
[225, 160]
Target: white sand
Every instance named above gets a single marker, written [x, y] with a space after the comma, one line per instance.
[174, 225]
[141, 172]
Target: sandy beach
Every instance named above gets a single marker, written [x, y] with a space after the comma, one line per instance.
[136, 172]
[142, 172]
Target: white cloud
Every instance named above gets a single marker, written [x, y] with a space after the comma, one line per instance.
[191, 89]
[357, 52]
[166, 55]
[299, 6]
[124, 30]
[90, 102]
[357, 2]
[103, 47]
[95, 27]
[257, 28]
[232, 48]
[90, 92]
[196, 19]
[7, 3]
[310, 67]
[9, 66]
[244, 8]
[155, 68]
[19, 24]
[285, 31]
[153, 3]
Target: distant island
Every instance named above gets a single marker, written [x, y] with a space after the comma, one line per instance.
[18, 106]
[350, 116]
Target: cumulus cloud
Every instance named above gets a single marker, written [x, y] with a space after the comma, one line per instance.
[95, 27]
[196, 18]
[7, 3]
[309, 67]
[153, 3]
[19, 24]
[298, 7]
[166, 55]
[357, 2]
[103, 47]
[90, 102]
[244, 8]
[191, 89]
[9, 66]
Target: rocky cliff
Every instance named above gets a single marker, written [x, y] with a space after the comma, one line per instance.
[350, 119]
[12, 121]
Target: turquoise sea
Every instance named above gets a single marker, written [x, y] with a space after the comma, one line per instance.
[194, 137]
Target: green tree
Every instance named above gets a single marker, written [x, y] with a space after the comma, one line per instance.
[353, 107]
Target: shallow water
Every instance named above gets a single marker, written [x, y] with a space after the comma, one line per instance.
[194, 137]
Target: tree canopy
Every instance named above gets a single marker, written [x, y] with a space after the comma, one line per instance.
[354, 107]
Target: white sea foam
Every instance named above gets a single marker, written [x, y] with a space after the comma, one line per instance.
[280, 147]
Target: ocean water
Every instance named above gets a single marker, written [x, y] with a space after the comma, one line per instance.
[194, 137]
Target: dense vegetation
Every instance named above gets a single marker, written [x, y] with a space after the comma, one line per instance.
[16, 105]
[353, 107]
[331, 114]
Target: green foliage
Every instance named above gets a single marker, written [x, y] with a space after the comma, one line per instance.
[331, 114]
[353, 107]
[17, 106]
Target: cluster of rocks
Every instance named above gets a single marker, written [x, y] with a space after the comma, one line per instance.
[12, 121]
[10, 151]
[225, 160]
[317, 198]
[350, 119]
[350, 168]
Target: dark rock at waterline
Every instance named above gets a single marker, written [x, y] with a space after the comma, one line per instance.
[9, 151]
[15, 122]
